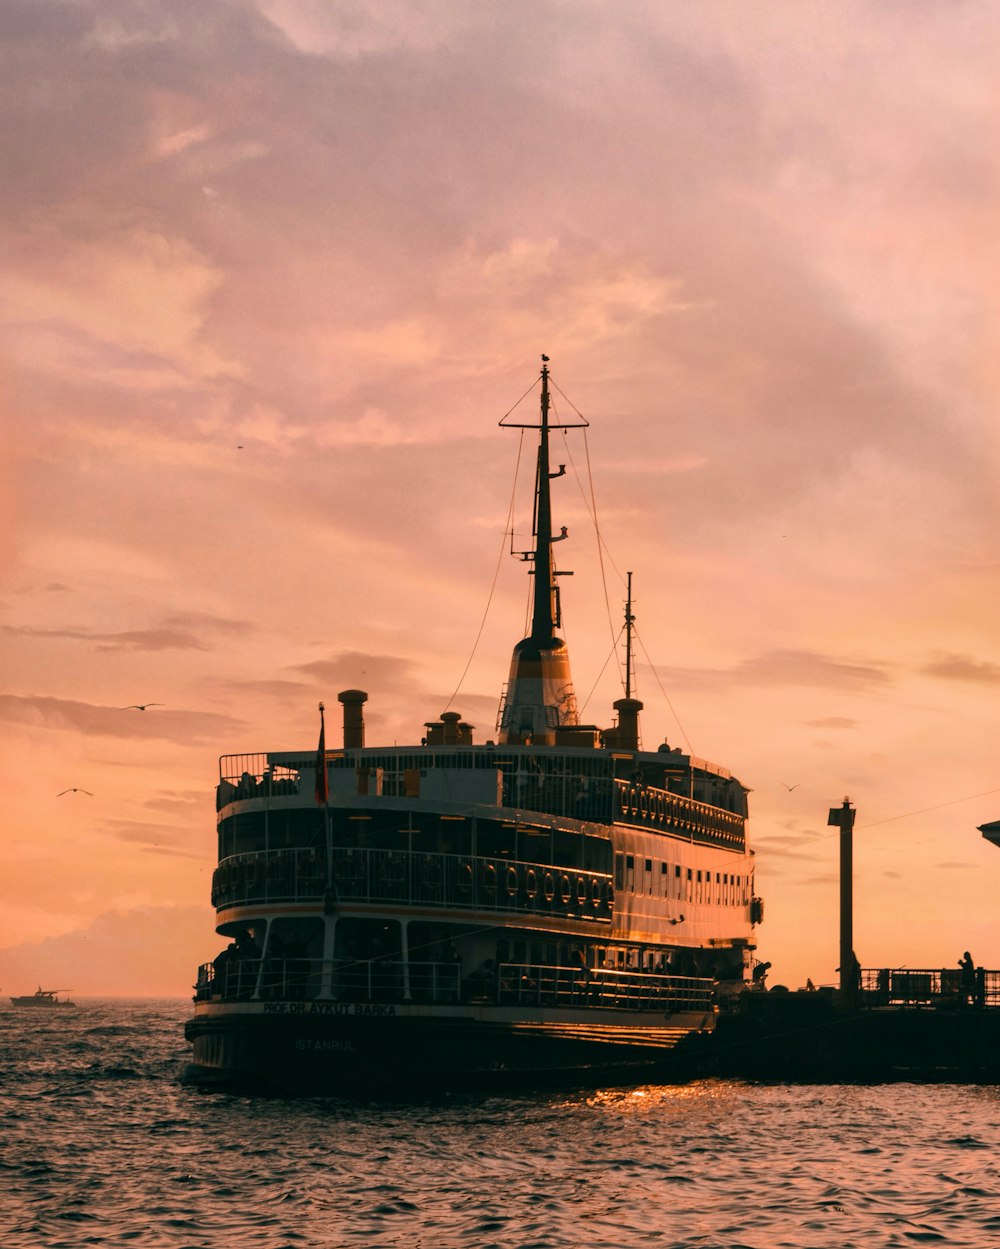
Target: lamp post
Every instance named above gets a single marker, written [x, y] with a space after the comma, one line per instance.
[842, 817]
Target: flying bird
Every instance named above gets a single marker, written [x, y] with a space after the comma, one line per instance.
[74, 790]
[791, 787]
[141, 706]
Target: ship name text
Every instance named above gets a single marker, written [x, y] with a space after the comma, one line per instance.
[328, 1008]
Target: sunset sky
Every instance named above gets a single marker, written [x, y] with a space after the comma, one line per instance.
[274, 270]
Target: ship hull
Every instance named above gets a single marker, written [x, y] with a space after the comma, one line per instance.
[32, 1003]
[361, 1051]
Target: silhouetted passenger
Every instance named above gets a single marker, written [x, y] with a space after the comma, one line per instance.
[221, 966]
[225, 792]
[967, 983]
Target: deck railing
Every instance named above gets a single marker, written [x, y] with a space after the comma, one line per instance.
[672, 813]
[391, 980]
[563, 794]
[401, 878]
[534, 984]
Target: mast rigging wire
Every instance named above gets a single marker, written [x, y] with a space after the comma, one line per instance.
[903, 815]
[613, 651]
[508, 528]
[591, 506]
[673, 712]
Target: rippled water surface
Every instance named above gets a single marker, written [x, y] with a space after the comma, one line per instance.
[99, 1145]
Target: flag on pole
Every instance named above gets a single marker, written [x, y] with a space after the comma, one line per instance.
[322, 781]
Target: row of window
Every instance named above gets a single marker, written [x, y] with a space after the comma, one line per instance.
[659, 879]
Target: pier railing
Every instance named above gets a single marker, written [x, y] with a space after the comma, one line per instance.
[941, 988]
[403, 878]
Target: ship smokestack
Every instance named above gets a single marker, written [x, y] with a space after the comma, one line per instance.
[626, 734]
[354, 719]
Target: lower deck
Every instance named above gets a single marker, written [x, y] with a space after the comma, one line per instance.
[361, 1049]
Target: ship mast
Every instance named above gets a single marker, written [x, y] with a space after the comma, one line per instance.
[545, 616]
[629, 622]
[626, 735]
[539, 698]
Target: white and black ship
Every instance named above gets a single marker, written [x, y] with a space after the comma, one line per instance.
[553, 904]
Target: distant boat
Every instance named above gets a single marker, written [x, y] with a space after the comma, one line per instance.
[43, 999]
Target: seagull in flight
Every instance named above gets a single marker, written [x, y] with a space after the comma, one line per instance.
[141, 706]
[791, 787]
[74, 790]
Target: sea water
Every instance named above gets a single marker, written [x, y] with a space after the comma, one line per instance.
[101, 1145]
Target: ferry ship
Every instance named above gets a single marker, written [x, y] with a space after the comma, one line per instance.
[554, 904]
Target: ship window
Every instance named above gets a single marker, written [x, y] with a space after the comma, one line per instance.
[363, 938]
[630, 873]
[619, 871]
[293, 963]
[647, 877]
[664, 876]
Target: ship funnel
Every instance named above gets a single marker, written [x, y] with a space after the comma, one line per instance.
[626, 734]
[354, 720]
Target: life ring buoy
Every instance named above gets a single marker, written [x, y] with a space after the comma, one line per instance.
[623, 800]
[489, 878]
[510, 881]
[531, 882]
[581, 891]
[644, 804]
[595, 892]
[565, 888]
[465, 878]
[549, 887]
[431, 874]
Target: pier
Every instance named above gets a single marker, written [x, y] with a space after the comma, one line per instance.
[911, 1024]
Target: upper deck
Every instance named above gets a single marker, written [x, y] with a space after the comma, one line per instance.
[663, 791]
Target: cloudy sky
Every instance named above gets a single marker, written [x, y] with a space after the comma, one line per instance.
[274, 270]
